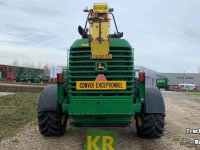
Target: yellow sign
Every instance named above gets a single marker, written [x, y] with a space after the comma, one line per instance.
[101, 85]
[84, 44]
[108, 56]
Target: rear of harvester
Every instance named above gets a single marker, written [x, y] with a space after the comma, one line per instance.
[99, 87]
[105, 106]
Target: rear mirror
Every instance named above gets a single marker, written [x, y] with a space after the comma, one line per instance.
[86, 9]
[111, 9]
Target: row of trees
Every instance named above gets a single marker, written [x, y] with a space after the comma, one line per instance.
[199, 70]
[38, 65]
[27, 66]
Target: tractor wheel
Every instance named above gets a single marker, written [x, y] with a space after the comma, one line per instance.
[52, 123]
[65, 87]
[136, 89]
[150, 125]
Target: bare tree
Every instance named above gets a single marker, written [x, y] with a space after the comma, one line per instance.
[39, 65]
[26, 65]
[199, 70]
[15, 68]
[46, 70]
[15, 62]
[32, 65]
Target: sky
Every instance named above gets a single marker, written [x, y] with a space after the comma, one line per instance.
[165, 35]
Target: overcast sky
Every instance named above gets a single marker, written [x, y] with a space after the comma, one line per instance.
[164, 33]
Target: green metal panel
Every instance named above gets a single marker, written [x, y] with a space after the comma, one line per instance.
[114, 43]
[101, 119]
[116, 106]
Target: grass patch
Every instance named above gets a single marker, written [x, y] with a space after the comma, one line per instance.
[17, 110]
[198, 100]
[15, 141]
[193, 93]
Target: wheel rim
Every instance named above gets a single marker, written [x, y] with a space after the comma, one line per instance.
[139, 121]
[62, 119]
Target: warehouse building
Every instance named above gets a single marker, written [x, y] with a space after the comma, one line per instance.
[179, 78]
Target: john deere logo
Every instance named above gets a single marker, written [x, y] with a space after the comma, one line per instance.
[100, 66]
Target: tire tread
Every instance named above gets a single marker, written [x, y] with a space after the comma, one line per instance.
[49, 123]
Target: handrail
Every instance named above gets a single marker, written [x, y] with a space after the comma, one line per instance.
[115, 24]
[85, 26]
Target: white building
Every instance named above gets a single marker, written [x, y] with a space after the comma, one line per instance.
[150, 75]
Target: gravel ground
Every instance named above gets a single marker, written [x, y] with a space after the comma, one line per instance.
[180, 114]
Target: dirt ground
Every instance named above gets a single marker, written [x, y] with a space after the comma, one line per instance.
[180, 114]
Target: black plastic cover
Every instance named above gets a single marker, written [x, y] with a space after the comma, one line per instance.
[154, 102]
[48, 99]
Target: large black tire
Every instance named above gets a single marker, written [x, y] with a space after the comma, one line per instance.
[65, 87]
[51, 123]
[148, 125]
[136, 89]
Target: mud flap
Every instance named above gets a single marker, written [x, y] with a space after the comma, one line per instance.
[154, 102]
[48, 99]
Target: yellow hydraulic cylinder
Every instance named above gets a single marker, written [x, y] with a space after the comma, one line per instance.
[100, 30]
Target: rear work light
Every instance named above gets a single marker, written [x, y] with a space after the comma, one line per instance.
[132, 120]
[59, 78]
[104, 16]
[70, 121]
[142, 77]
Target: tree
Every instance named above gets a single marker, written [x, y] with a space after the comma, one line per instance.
[39, 65]
[15, 62]
[199, 76]
[15, 68]
[198, 68]
[26, 64]
[32, 65]
[46, 70]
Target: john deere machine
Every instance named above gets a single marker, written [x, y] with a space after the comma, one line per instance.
[99, 87]
[163, 83]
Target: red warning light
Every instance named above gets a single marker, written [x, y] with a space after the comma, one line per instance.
[70, 120]
[104, 16]
[142, 77]
[132, 120]
[59, 77]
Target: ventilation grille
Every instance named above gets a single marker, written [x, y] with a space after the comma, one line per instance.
[119, 68]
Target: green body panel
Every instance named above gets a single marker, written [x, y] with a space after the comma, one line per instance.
[114, 43]
[162, 82]
[100, 106]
